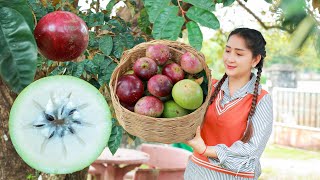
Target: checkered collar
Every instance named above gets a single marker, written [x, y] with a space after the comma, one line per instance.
[247, 88]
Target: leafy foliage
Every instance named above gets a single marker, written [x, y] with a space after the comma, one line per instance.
[194, 35]
[154, 8]
[38, 9]
[106, 44]
[170, 18]
[143, 21]
[17, 57]
[115, 137]
[227, 2]
[168, 24]
[22, 7]
[122, 42]
[293, 12]
[203, 4]
[203, 17]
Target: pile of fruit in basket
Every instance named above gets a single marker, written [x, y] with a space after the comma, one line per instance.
[159, 86]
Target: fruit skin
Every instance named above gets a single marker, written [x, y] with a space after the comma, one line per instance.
[172, 110]
[149, 106]
[190, 63]
[129, 89]
[187, 94]
[145, 68]
[130, 107]
[160, 85]
[174, 72]
[61, 36]
[159, 52]
[166, 98]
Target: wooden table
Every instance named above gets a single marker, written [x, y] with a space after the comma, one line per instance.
[114, 167]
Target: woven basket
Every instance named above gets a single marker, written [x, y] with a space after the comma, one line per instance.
[163, 130]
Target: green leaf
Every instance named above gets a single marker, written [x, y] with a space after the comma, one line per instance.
[121, 43]
[94, 19]
[115, 137]
[175, 2]
[18, 50]
[57, 71]
[227, 2]
[77, 69]
[292, 7]
[204, 84]
[50, 8]
[38, 9]
[93, 42]
[22, 7]
[116, 26]
[203, 4]
[90, 67]
[154, 8]
[138, 40]
[194, 35]
[143, 20]
[293, 12]
[105, 44]
[131, 136]
[94, 82]
[105, 67]
[269, 1]
[203, 17]
[109, 7]
[104, 77]
[99, 61]
[168, 24]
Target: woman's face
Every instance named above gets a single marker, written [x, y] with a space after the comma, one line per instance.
[238, 59]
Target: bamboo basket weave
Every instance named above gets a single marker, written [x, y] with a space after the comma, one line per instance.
[162, 130]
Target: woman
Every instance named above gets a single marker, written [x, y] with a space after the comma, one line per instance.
[238, 122]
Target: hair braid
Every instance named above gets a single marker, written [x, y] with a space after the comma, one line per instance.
[217, 89]
[249, 131]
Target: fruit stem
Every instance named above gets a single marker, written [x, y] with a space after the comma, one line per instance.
[182, 11]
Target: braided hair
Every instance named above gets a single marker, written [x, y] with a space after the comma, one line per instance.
[256, 43]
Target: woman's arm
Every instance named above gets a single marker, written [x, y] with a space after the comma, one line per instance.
[240, 153]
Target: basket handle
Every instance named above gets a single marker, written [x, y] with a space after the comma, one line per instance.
[173, 49]
[124, 53]
[115, 85]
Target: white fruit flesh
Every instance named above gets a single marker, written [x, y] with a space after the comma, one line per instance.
[60, 124]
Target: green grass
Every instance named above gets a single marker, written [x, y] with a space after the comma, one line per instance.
[282, 152]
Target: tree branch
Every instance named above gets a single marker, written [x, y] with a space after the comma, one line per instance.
[260, 21]
[98, 6]
[312, 14]
[75, 3]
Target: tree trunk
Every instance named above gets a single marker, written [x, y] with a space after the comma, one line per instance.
[80, 175]
[12, 167]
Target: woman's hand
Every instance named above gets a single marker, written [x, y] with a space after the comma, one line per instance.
[197, 142]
